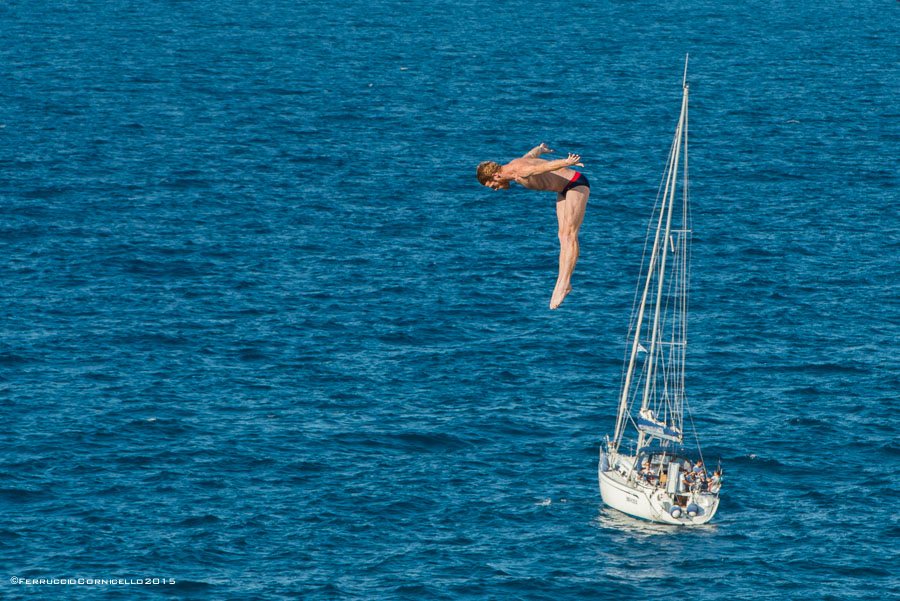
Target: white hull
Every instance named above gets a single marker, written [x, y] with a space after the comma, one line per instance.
[648, 502]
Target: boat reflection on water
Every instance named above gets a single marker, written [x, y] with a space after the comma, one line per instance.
[612, 519]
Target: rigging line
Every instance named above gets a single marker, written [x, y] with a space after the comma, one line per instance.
[665, 209]
[687, 248]
[650, 230]
[694, 428]
[634, 392]
[671, 184]
[667, 362]
[686, 259]
[633, 319]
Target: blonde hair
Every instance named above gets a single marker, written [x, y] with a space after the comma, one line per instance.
[486, 171]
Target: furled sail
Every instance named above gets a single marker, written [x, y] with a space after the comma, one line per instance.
[647, 422]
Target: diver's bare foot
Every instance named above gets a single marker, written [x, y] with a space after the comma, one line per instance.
[558, 297]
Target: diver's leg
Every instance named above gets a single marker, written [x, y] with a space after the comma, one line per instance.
[569, 213]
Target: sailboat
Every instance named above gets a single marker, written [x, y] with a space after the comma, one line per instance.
[651, 468]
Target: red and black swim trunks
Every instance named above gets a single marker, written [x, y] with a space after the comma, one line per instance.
[579, 179]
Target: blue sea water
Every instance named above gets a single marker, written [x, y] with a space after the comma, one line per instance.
[264, 335]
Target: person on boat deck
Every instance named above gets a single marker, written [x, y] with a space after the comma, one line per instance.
[700, 471]
[572, 191]
[688, 479]
[715, 483]
[647, 472]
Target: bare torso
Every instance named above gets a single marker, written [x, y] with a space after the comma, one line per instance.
[552, 181]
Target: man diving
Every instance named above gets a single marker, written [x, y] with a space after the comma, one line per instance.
[572, 191]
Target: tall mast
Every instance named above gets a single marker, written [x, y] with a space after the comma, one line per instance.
[670, 192]
[623, 405]
[665, 208]
[685, 262]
